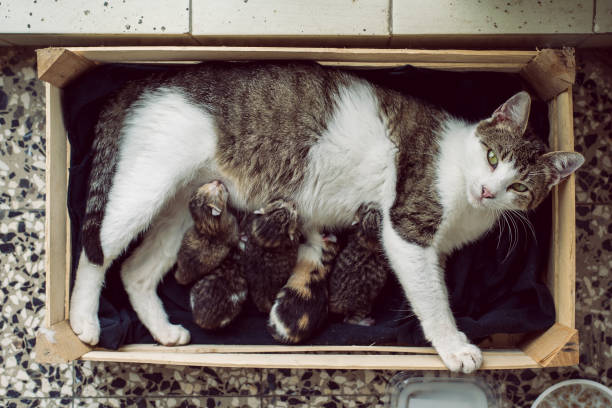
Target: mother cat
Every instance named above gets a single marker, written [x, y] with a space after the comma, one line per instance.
[322, 138]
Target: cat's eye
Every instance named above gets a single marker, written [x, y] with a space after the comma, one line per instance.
[492, 158]
[521, 188]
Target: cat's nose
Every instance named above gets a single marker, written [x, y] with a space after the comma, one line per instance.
[486, 193]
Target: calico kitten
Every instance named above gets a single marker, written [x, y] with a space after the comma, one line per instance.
[270, 244]
[214, 233]
[217, 298]
[301, 306]
[360, 272]
[322, 138]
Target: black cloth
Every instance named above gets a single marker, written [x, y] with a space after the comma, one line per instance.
[494, 287]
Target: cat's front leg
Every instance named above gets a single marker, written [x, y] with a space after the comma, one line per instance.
[422, 279]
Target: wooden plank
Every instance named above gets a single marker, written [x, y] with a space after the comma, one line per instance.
[445, 66]
[58, 66]
[55, 208]
[551, 72]
[558, 339]
[569, 355]
[223, 348]
[58, 344]
[562, 258]
[128, 54]
[514, 359]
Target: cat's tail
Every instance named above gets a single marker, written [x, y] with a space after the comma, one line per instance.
[105, 157]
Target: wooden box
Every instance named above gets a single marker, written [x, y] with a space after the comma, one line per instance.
[550, 72]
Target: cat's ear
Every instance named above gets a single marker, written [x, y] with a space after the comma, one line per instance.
[515, 111]
[562, 164]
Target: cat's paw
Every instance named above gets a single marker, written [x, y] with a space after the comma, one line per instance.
[172, 335]
[87, 328]
[459, 354]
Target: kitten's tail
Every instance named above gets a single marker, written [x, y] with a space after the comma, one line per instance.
[105, 157]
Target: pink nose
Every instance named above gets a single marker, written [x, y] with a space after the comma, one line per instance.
[485, 193]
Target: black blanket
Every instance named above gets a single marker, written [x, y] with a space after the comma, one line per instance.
[494, 287]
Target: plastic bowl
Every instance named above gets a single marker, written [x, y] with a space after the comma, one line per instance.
[575, 394]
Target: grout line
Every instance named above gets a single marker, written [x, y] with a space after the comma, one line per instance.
[390, 23]
[191, 18]
[594, 16]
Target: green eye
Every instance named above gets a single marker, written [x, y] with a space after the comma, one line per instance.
[521, 188]
[492, 158]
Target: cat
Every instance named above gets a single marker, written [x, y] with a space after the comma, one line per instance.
[217, 298]
[322, 138]
[270, 244]
[360, 271]
[213, 234]
[301, 306]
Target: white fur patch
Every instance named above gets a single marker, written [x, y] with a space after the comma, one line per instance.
[353, 162]
[277, 324]
[166, 142]
[458, 179]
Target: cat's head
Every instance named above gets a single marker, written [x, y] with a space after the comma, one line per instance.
[509, 167]
[275, 225]
[208, 205]
[367, 222]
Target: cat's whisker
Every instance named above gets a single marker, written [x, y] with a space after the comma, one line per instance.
[525, 222]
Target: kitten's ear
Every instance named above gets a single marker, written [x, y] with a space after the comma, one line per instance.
[514, 111]
[562, 164]
[215, 210]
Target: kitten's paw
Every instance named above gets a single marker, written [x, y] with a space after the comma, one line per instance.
[460, 355]
[172, 335]
[87, 328]
[360, 321]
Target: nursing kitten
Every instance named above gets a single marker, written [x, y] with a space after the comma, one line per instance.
[270, 245]
[301, 306]
[360, 271]
[217, 299]
[214, 232]
[322, 138]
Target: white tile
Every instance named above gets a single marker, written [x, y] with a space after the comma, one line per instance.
[603, 16]
[291, 18]
[94, 17]
[492, 16]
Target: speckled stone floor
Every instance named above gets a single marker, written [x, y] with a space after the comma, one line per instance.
[24, 383]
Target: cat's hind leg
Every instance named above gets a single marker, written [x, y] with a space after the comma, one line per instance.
[166, 141]
[145, 268]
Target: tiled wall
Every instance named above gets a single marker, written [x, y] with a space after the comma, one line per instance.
[362, 22]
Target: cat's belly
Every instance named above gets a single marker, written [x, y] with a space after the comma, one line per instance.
[351, 162]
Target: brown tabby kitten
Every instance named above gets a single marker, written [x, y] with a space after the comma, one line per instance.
[270, 243]
[217, 298]
[214, 232]
[303, 301]
[360, 271]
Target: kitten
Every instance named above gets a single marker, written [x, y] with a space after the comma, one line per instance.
[217, 299]
[214, 232]
[270, 244]
[301, 307]
[322, 138]
[360, 272]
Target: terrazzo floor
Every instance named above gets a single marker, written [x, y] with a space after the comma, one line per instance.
[24, 383]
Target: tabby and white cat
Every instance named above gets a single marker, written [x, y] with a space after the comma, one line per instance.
[322, 138]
